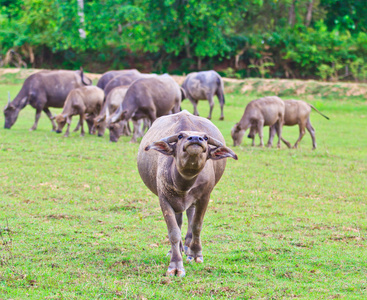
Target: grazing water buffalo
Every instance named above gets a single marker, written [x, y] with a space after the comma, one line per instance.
[203, 86]
[43, 90]
[261, 112]
[182, 171]
[112, 102]
[147, 98]
[80, 101]
[297, 112]
[106, 77]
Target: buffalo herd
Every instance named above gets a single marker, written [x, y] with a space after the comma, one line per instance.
[181, 156]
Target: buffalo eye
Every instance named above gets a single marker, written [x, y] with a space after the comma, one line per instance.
[180, 136]
[205, 138]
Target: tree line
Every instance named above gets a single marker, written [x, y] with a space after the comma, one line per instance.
[323, 39]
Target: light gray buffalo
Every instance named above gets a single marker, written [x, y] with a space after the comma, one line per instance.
[146, 98]
[80, 101]
[203, 86]
[265, 111]
[108, 76]
[43, 90]
[187, 162]
[297, 112]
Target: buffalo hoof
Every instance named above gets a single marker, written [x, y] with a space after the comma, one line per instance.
[82, 134]
[58, 131]
[66, 135]
[221, 118]
[100, 135]
[32, 129]
[179, 272]
[198, 259]
[209, 118]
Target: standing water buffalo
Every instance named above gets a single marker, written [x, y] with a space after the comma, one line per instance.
[261, 112]
[108, 76]
[297, 112]
[182, 171]
[146, 98]
[80, 101]
[43, 90]
[203, 86]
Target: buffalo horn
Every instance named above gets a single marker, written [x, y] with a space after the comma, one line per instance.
[170, 139]
[214, 142]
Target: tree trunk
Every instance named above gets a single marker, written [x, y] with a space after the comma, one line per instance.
[292, 14]
[309, 13]
[81, 30]
[199, 63]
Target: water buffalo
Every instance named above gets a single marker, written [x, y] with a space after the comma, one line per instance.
[297, 112]
[124, 79]
[182, 171]
[147, 98]
[80, 101]
[43, 90]
[261, 112]
[106, 77]
[203, 86]
[112, 102]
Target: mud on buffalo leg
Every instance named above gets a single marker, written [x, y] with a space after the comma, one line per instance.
[174, 235]
[49, 115]
[311, 130]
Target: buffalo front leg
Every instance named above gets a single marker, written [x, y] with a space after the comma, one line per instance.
[174, 234]
[190, 215]
[68, 128]
[194, 253]
[81, 119]
[49, 115]
[38, 115]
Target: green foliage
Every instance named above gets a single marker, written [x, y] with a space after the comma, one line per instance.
[187, 32]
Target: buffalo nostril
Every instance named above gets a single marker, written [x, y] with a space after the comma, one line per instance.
[200, 139]
[190, 138]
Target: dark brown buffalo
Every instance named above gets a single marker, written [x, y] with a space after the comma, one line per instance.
[106, 77]
[182, 171]
[146, 98]
[43, 90]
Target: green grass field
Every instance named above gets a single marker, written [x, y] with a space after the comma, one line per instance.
[77, 222]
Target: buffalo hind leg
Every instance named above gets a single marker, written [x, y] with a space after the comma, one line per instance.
[311, 130]
[260, 126]
[211, 106]
[302, 132]
[38, 115]
[279, 128]
[49, 115]
[174, 234]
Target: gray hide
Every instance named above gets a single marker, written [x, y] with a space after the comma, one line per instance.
[203, 86]
[80, 101]
[43, 90]
[124, 79]
[187, 163]
[148, 98]
[112, 102]
[265, 111]
[297, 112]
[106, 77]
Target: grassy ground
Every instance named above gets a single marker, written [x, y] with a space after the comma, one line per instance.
[77, 222]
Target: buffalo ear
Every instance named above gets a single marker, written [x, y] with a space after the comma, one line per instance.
[221, 152]
[162, 147]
